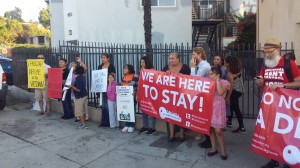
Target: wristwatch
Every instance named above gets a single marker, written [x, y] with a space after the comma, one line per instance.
[284, 85]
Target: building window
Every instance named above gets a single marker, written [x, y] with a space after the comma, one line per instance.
[41, 40]
[161, 3]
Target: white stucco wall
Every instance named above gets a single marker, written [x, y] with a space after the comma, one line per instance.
[241, 6]
[121, 21]
[280, 19]
[70, 16]
[56, 22]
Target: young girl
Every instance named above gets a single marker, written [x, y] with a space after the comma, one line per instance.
[130, 79]
[218, 119]
[81, 95]
[111, 100]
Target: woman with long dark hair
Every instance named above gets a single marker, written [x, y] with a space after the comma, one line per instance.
[145, 63]
[234, 76]
[104, 108]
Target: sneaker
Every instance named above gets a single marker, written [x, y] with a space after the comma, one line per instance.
[229, 123]
[130, 129]
[81, 126]
[143, 130]
[271, 164]
[40, 113]
[241, 130]
[125, 129]
[151, 131]
[63, 117]
[205, 144]
[77, 120]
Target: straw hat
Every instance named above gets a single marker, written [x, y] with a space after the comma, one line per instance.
[272, 43]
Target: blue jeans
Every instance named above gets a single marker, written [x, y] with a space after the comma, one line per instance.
[67, 105]
[145, 121]
[113, 119]
[105, 114]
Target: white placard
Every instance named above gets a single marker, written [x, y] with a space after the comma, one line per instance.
[1, 75]
[125, 104]
[68, 82]
[99, 80]
[69, 79]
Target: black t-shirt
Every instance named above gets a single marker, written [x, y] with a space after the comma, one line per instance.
[65, 73]
[111, 68]
[184, 69]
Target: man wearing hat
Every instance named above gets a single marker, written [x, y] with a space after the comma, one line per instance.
[272, 74]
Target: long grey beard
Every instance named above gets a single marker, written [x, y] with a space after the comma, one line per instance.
[273, 62]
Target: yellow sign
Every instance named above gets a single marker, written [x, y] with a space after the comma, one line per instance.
[35, 71]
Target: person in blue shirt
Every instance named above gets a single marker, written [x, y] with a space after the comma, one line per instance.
[81, 95]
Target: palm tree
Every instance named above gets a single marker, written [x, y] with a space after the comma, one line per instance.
[147, 28]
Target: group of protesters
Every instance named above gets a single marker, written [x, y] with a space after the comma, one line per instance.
[226, 72]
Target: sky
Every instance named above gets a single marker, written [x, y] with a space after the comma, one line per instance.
[30, 8]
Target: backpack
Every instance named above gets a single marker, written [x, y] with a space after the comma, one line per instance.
[238, 83]
[287, 69]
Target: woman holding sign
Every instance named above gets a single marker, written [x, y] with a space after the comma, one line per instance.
[146, 64]
[111, 69]
[175, 66]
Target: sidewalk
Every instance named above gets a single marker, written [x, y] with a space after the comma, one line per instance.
[31, 141]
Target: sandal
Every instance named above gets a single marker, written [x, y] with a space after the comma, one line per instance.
[198, 138]
[171, 139]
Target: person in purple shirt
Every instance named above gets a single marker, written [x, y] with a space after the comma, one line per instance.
[111, 101]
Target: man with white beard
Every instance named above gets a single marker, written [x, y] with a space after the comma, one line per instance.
[273, 74]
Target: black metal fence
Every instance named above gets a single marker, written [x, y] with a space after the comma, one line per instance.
[122, 54]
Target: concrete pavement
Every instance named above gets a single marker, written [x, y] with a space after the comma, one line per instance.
[30, 141]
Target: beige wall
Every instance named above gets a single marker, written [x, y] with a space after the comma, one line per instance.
[279, 19]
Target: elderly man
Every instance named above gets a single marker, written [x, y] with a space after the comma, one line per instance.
[275, 63]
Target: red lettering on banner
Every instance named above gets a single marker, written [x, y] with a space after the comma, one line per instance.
[180, 99]
[279, 121]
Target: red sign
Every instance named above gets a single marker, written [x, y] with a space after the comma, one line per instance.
[54, 89]
[277, 132]
[180, 99]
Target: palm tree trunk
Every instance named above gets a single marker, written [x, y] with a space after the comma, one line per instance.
[147, 28]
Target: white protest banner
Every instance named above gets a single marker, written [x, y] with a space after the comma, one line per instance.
[99, 80]
[125, 104]
[68, 82]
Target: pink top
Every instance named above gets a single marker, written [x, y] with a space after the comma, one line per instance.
[111, 91]
[218, 118]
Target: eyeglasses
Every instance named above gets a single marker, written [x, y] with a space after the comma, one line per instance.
[40, 58]
[269, 52]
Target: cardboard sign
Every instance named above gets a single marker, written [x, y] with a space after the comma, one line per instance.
[54, 89]
[99, 80]
[277, 131]
[180, 99]
[35, 71]
[125, 104]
